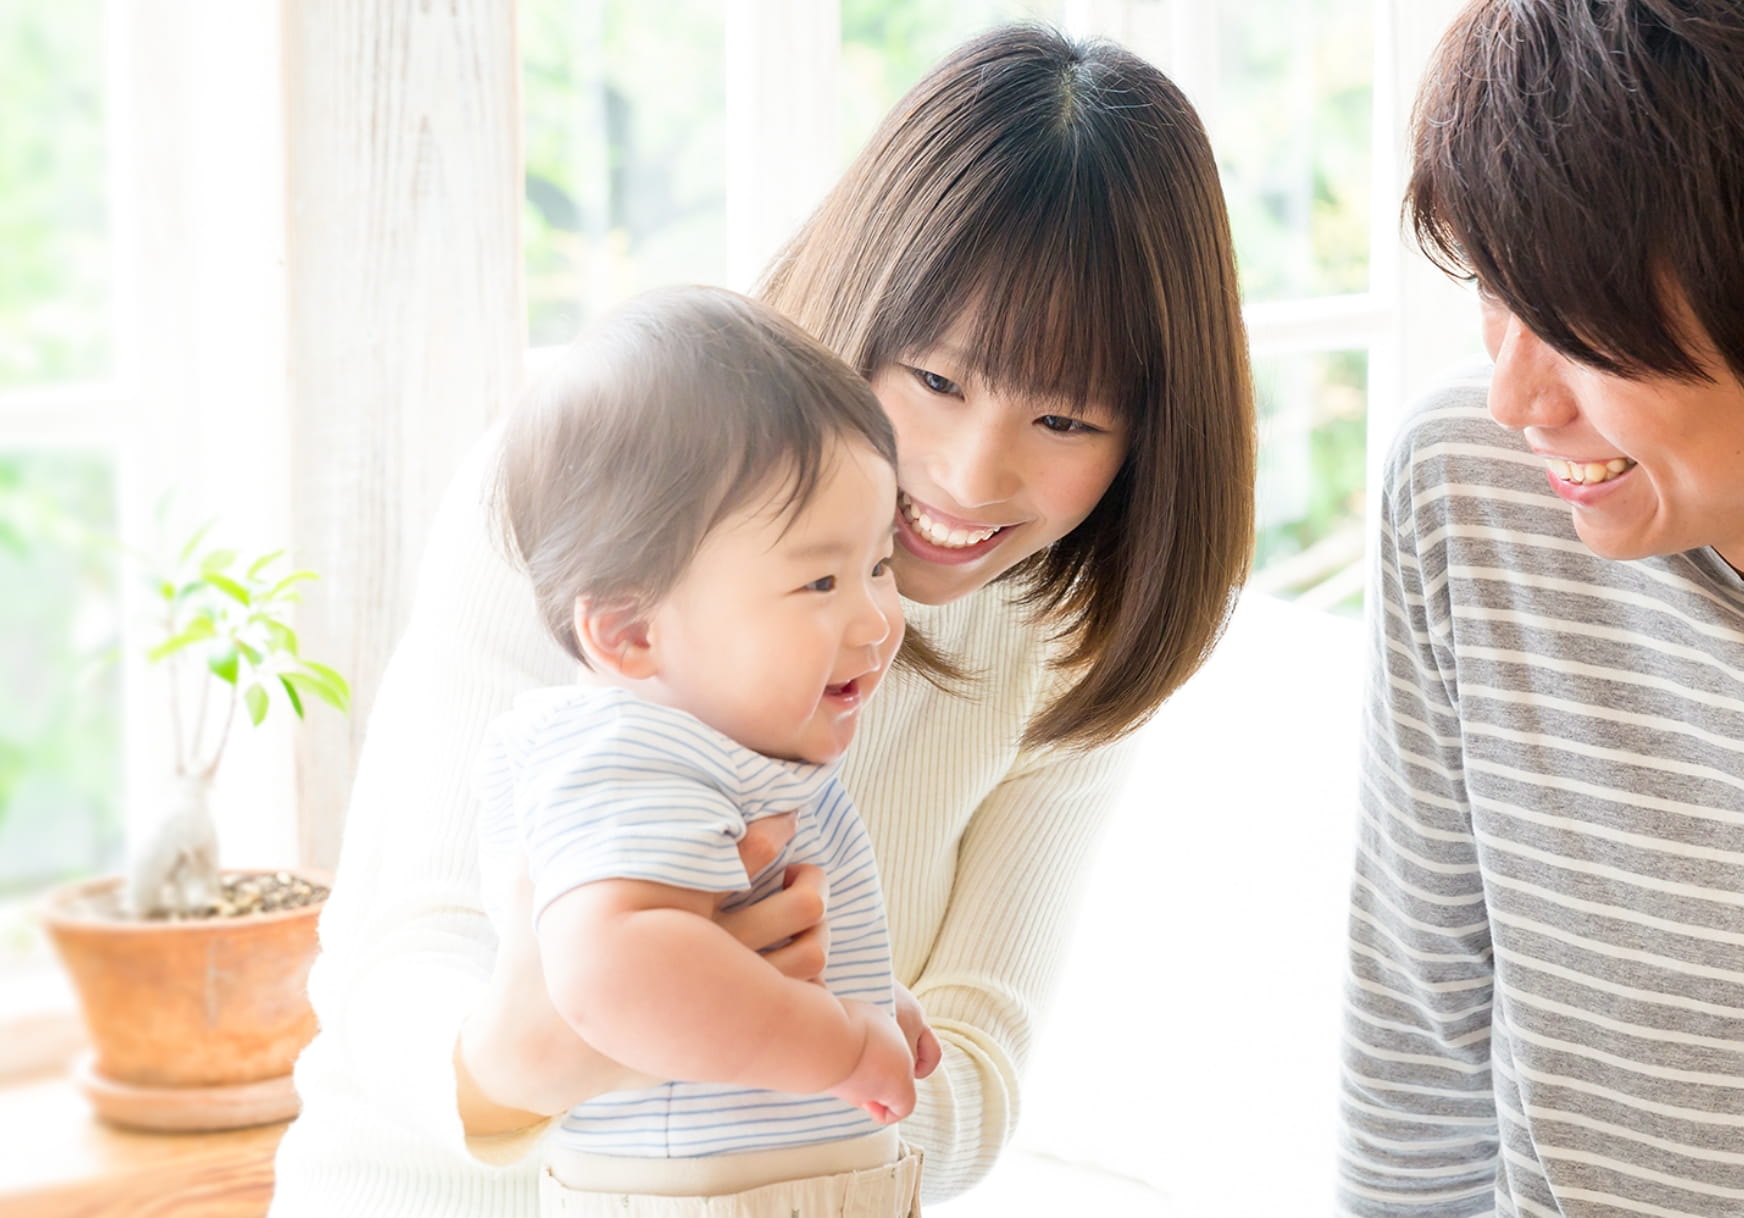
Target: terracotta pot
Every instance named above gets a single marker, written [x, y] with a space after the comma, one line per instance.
[214, 1005]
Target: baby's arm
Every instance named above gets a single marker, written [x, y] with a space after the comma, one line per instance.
[644, 975]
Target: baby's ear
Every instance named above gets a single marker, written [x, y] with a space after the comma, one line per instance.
[614, 637]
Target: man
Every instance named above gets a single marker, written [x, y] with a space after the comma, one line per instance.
[1545, 1009]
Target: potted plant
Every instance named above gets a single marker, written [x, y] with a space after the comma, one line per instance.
[191, 981]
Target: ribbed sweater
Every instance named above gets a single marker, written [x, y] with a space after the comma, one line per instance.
[981, 848]
[1546, 995]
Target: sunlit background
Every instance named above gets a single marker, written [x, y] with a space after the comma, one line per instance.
[635, 177]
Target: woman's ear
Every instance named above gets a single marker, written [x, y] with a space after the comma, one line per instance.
[614, 637]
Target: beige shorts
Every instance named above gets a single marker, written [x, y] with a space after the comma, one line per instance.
[889, 1190]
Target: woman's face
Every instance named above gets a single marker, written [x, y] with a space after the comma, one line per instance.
[985, 479]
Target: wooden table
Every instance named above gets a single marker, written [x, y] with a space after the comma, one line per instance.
[58, 1161]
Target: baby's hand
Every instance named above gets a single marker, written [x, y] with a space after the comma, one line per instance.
[922, 1042]
[882, 1082]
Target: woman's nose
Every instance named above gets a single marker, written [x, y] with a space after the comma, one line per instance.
[1530, 384]
[978, 466]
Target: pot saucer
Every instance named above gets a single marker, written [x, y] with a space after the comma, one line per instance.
[186, 1109]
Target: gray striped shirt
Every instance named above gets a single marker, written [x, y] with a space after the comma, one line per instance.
[1545, 1006]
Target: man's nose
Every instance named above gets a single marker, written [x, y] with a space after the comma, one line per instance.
[1529, 387]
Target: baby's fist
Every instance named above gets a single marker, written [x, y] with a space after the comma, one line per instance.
[882, 1081]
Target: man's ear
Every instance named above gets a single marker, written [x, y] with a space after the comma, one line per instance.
[614, 637]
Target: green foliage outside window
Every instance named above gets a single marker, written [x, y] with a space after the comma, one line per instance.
[1292, 135]
[60, 732]
[622, 132]
[54, 321]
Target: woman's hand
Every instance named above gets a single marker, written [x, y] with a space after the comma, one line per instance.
[517, 1062]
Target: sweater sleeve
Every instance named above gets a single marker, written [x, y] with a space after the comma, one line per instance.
[998, 953]
[406, 946]
[1419, 1132]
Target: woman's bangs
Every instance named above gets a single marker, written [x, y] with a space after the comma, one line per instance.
[1041, 305]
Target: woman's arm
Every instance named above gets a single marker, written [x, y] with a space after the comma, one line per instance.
[407, 950]
[997, 955]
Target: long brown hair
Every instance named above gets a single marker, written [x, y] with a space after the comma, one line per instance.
[1579, 157]
[1063, 198]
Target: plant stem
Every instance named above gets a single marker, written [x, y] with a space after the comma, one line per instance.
[223, 734]
[184, 760]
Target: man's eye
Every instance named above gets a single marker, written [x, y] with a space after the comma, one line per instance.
[935, 383]
[826, 584]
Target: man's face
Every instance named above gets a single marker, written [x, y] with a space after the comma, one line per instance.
[1650, 465]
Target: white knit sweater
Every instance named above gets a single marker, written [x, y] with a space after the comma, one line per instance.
[980, 845]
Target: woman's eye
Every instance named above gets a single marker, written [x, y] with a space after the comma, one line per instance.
[826, 584]
[1064, 424]
[935, 383]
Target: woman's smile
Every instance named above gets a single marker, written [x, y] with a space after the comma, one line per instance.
[938, 537]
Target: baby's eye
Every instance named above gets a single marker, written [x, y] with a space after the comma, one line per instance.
[826, 584]
[881, 568]
[934, 383]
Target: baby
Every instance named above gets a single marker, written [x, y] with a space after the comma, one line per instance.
[703, 499]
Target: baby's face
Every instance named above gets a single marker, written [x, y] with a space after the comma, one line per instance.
[783, 626]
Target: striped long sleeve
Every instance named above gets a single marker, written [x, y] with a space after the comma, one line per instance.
[1545, 1000]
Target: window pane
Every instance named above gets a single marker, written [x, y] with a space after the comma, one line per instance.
[53, 217]
[1292, 132]
[1313, 416]
[626, 185]
[888, 44]
[60, 732]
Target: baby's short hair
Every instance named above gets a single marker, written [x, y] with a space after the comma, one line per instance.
[653, 426]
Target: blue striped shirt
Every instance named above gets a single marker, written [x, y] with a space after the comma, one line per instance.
[584, 784]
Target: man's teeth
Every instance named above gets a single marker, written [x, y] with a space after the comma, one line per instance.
[941, 534]
[1588, 473]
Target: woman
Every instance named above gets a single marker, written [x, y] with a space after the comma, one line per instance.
[1031, 263]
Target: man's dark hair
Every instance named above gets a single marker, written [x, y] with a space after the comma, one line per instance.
[1584, 160]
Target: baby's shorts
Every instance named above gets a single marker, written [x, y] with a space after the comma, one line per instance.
[889, 1190]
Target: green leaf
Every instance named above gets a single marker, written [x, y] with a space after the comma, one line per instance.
[311, 684]
[199, 533]
[223, 665]
[295, 577]
[263, 562]
[283, 637]
[198, 631]
[217, 560]
[332, 678]
[291, 693]
[255, 698]
[253, 655]
[166, 590]
[229, 587]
